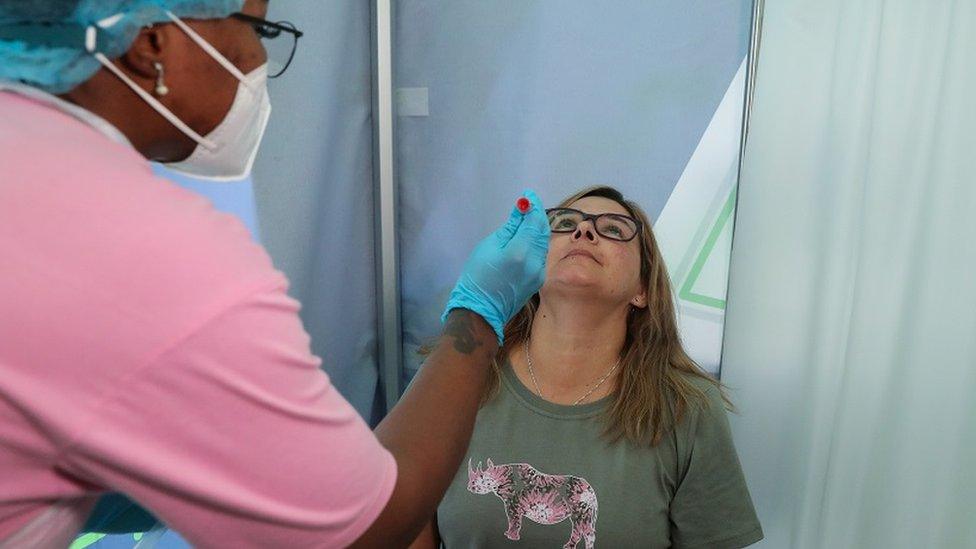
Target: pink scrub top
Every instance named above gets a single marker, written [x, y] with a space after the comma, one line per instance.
[148, 346]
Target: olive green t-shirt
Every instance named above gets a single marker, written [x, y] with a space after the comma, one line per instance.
[542, 475]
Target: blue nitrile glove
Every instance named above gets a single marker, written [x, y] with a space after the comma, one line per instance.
[505, 269]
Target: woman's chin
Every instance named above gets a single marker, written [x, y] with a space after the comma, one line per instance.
[574, 284]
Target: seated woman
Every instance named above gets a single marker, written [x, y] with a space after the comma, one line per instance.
[597, 427]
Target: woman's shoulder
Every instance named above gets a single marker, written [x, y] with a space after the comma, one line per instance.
[705, 402]
[704, 384]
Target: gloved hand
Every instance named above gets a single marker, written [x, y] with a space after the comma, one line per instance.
[505, 269]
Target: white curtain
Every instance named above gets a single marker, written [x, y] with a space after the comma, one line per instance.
[851, 328]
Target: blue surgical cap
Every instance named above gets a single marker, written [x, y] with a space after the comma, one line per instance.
[43, 42]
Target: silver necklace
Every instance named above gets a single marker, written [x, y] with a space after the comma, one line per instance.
[535, 382]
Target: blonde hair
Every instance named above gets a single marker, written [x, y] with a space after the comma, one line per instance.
[654, 388]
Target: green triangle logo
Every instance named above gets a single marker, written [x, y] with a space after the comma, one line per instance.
[687, 291]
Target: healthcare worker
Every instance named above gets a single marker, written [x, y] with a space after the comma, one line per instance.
[148, 347]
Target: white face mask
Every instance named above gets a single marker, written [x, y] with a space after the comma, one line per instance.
[237, 138]
[227, 152]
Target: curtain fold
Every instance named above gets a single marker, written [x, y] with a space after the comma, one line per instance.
[851, 319]
[313, 180]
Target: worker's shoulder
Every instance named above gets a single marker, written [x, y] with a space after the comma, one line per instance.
[29, 125]
[91, 210]
[41, 143]
[186, 248]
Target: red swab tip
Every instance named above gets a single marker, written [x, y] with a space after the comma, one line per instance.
[523, 204]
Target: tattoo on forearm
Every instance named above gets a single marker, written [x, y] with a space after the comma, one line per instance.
[461, 330]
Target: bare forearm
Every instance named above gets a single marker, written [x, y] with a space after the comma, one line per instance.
[429, 429]
[429, 537]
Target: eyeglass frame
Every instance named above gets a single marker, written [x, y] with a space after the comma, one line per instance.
[592, 218]
[280, 26]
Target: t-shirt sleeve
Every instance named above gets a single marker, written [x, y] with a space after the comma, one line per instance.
[711, 505]
[234, 437]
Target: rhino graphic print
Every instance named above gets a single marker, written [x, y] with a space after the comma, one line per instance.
[544, 499]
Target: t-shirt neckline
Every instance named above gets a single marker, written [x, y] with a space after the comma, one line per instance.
[542, 406]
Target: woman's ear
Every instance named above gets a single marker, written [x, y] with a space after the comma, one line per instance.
[147, 51]
[639, 301]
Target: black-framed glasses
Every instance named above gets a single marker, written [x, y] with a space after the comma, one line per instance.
[618, 227]
[281, 50]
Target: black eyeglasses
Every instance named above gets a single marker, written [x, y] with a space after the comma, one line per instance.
[280, 50]
[613, 226]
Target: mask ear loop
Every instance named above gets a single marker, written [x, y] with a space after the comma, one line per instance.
[91, 37]
[207, 47]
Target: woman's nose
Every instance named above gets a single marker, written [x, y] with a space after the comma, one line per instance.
[585, 230]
